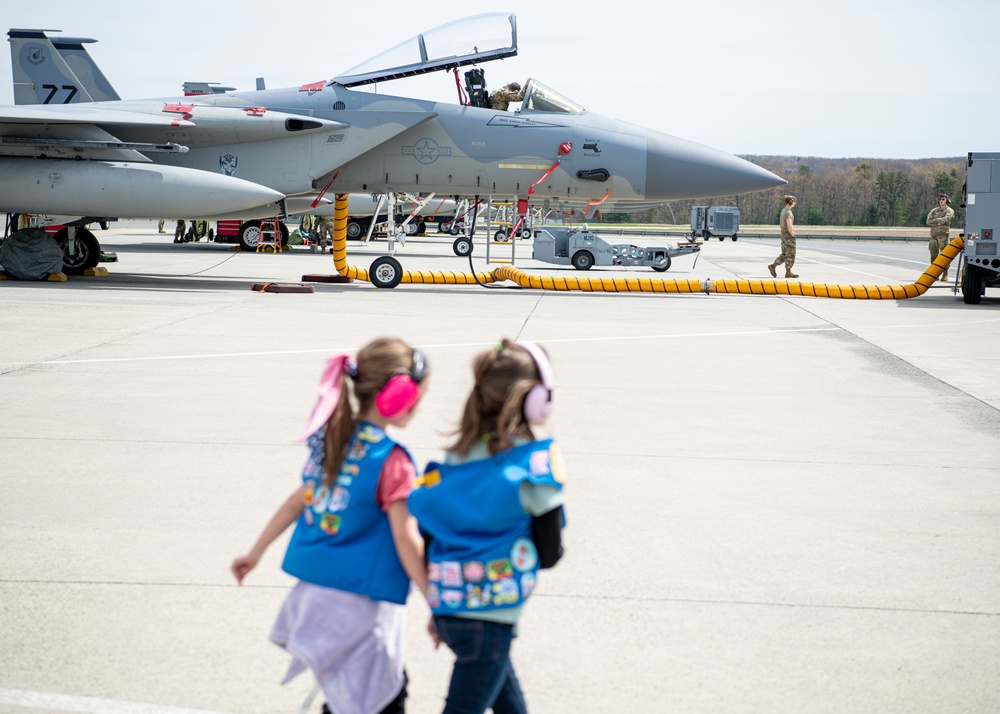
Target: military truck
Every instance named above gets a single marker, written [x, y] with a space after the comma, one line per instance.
[982, 215]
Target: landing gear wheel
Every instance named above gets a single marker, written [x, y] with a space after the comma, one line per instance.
[583, 260]
[462, 246]
[663, 266]
[525, 233]
[249, 235]
[972, 285]
[411, 229]
[356, 229]
[284, 234]
[386, 272]
[735, 237]
[722, 238]
[87, 251]
[501, 236]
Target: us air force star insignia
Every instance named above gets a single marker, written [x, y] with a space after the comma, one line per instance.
[426, 151]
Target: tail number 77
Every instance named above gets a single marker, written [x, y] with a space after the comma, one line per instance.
[71, 89]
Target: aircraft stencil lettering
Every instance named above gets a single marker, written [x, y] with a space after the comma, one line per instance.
[289, 154]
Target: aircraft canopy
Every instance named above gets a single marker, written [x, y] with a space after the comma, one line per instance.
[472, 40]
[540, 98]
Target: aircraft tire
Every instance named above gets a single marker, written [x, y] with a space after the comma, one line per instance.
[385, 272]
[356, 229]
[972, 285]
[525, 233]
[501, 236]
[88, 251]
[462, 246]
[249, 235]
[583, 260]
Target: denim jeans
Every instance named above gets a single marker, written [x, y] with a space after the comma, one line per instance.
[483, 676]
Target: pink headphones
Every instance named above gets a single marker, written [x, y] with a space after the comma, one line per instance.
[401, 393]
[538, 402]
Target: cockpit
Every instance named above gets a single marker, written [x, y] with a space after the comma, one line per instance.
[469, 41]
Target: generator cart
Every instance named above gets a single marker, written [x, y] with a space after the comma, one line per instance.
[718, 221]
[582, 249]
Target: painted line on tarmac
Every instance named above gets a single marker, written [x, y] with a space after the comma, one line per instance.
[331, 350]
[619, 338]
[87, 705]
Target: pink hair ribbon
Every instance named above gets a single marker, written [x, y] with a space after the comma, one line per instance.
[329, 393]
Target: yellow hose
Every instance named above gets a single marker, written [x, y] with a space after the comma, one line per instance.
[431, 277]
[649, 285]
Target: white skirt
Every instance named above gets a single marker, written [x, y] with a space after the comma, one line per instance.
[353, 645]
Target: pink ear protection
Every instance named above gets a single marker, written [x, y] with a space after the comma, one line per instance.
[538, 402]
[401, 393]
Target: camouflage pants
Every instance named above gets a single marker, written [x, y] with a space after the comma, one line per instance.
[324, 229]
[937, 244]
[787, 253]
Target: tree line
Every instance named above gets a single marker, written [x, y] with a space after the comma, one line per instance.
[836, 192]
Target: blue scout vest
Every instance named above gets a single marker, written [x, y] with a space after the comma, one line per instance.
[342, 539]
[481, 556]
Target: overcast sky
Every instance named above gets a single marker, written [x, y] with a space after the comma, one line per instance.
[833, 78]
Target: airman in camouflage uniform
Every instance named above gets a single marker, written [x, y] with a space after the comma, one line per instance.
[180, 230]
[501, 98]
[939, 219]
[324, 230]
[786, 222]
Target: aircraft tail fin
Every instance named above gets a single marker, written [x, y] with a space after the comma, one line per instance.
[91, 77]
[41, 74]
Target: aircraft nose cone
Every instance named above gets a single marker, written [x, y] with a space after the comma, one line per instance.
[677, 168]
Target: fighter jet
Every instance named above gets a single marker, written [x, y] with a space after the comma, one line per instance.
[246, 152]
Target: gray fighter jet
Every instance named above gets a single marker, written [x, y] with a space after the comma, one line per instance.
[252, 153]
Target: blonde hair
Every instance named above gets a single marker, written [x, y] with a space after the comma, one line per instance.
[377, 363]
[494, 410]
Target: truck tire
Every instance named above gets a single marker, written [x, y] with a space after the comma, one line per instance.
[972, 285]
[583, 260]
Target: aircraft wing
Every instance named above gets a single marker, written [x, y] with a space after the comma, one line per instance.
[85, 114]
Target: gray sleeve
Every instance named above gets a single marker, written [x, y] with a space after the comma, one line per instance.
[540, 498]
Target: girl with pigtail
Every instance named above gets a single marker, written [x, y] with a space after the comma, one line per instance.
[355, 546]
[491, 516]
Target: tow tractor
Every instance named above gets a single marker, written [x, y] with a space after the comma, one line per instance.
[583, 249]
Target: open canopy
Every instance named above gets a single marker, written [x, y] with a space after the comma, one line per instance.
[472, 40]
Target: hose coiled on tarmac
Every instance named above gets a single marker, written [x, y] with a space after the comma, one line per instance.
[649, 285]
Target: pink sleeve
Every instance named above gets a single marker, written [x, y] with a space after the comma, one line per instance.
[396, 479]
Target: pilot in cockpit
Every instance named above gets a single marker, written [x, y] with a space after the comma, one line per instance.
[501, 98]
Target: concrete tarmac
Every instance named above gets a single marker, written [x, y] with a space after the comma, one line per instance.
[775, 504]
